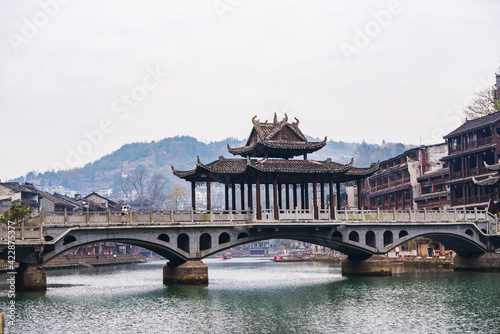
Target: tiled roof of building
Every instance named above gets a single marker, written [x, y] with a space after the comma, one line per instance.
[56, 199]
[261, 141]
[439, 172]
[279, 166]
[432, 195]
[475, 124]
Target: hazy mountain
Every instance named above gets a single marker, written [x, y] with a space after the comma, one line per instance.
[181, 152]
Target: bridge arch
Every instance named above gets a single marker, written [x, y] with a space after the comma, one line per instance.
[354, 236]
[224, 238]
[205, 241]
[370, 239]
[388, 238]
[183, 242]
[164, 237]
[69, 239]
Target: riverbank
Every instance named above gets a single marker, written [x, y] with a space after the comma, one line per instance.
[437, 263]
[84, 261]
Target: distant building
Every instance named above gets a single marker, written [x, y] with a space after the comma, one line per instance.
[97, 202]
[397, 183]
[58, 203]
[25, 194]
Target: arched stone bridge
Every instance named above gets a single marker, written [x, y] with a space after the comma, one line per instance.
[194, 235]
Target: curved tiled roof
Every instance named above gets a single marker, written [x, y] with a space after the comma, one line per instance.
[260, 143]
[474, 124]
[229, 170]
[490, 181]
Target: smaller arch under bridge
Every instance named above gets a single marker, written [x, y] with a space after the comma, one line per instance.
[182, 236]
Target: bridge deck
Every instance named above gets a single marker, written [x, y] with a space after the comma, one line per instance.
[34, 229]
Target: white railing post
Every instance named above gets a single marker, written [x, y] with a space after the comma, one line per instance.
[296, 215]
[192, 215]
[362, 214]
[425, 214]
[335, 212]
[172, 215]
[440, 214]
[22, 230]
[409, 214]
[346, 217]
[454, 214]
[475, 213]
[378, 213]
[212, 215]
[394, 213]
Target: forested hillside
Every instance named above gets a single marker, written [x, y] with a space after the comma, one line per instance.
[181, 152]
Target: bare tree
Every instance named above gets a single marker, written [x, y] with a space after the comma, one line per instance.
[156, 191]
[146, 191]
[483, 103]
[176, 194]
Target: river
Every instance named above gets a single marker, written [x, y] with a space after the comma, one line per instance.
[255, 295]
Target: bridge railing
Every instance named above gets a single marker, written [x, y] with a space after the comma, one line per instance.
[34, 229]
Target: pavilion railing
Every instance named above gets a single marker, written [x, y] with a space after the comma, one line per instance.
[34, 229]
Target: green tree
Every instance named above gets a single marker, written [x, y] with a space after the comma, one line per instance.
[18, 213]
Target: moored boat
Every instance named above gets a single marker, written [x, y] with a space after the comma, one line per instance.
[293, 256]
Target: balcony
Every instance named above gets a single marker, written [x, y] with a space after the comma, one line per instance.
[470, 172]
[470, 200]
[391, 184]
[471, 144]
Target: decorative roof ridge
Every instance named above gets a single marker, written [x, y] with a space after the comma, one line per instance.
[278, 128]
[495, 167]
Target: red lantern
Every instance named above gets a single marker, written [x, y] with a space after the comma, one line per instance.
[453, 160]
[468, 157]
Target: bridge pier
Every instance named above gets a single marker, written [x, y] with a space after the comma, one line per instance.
[489, 261]
[190, 273]
[375, 265]
[30, 278]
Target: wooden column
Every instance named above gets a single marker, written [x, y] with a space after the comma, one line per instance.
[250, 197]
[275, 197]
[330, 190]
[242, 196]
[226, 195]
[302, 196]
[257, 199]
[193, 195]
[295, 196]
[358, 182]
[287, 196]
[233, 195]
[306, 195]
[268, 202]
[338, 195]
[209, 196]
[315, 200]
[280, 196]
[322, 195]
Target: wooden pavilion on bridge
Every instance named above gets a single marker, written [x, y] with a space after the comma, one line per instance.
[276, 143]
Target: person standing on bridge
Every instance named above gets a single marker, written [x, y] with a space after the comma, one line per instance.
[429, 251]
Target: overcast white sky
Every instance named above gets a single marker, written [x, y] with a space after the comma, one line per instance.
[65, 69]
